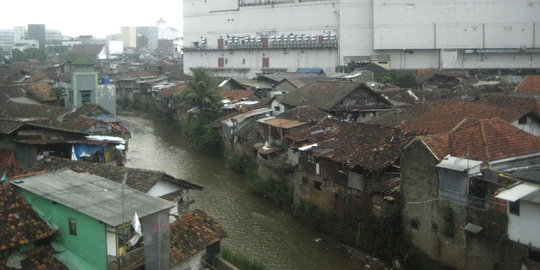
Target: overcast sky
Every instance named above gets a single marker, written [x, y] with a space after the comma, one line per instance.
[92, 17]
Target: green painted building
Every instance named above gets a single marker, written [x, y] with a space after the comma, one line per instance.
[93, 218]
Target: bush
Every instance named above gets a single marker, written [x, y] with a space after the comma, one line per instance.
[202, 137]
[241, 164]
[241, 261]
[276, 191]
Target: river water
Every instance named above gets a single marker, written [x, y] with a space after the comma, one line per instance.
[255, 226]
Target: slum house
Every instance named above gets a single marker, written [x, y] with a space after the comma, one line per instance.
[195, 241]
[288, 81]
[231, 84]
[449, 207]
[231, 98]
[430, 79]
[126, 83]
[262, 89]
[341, 163]
[153, 183]
[273, 130]
[512, 101]
[94, 218]
[343, 99]
[94, 51]
[25, 237]
[523, 210]
[529, 87]
[172, 96]
[32, 142]
[231, 126]
[445, 116]
[399, 116]
[44, 94]
[9, 164]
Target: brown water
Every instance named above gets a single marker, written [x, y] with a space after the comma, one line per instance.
[256, 227]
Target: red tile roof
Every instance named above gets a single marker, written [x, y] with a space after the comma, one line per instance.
[444, 117]
[9, 163]
[173, 90]
[21, 225]
[355, 144]
[39, 258]
[192, 233]
[37, 77]
[511, 101]
[530, 85]
[42, 92]
[235, 95]
[484, 139]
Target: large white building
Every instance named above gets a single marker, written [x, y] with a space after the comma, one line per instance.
[248, 37]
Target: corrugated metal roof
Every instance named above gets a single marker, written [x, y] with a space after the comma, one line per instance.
[460, 164]
[517, 192]
[282, 123]
[93, 195]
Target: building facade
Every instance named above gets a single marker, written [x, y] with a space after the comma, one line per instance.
[37, 32]
[249, 37]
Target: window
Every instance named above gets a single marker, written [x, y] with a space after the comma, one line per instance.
[310, 158]
[221, 62]
[305, 180]
[514, 207]
[265, 62]
[86, 96]
[414, 223]
[522, 120]
[72, 226]
[277, 108]
[434, 226]
[317, 185]
[244, 61]
[342, 168]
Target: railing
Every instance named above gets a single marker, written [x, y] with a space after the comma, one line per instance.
[469, 200]
[132, 260]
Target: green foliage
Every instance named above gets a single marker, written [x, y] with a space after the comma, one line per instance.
[241, 261]
[276, 191]
[201, 91]
[449, 221]
[386, 78]
[402, 79]
[494, 224]
[30, 53]
[202, 137]
[241, 164]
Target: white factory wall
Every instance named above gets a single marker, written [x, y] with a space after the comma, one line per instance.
[421, 24]
[412, 34]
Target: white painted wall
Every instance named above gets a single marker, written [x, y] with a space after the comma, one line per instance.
[420, 24]
[438, 32]
[111, 242]
[525, 227]
[531, 126]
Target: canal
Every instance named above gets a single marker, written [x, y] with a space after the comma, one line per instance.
[255, 226]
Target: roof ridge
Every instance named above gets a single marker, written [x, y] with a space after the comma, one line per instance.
[483, 134]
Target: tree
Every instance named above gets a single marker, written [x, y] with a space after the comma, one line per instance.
[201, 91]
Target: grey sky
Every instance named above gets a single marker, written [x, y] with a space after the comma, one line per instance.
[93, 17]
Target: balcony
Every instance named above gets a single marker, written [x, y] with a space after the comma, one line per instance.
[134, 259]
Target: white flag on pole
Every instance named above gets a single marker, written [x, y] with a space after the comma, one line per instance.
[138, 230]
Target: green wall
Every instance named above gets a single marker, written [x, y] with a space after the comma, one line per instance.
[90, 243]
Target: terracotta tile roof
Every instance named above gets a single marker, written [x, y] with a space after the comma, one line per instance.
[136, 74]
[21, 225]
[139, 179]
[9, 163]
[398, 116]
[325, 94]
[12, 110]
[88, 109]
[235, 95]
[355, 144]
[484, 139]
[41, 91]
[37, 77]
[192, 233]
[39, 258]
[173, 91]
[444, 117]
[512, 101]
[530, 85]
[9, 126]
[119, 128]
[306, 114]
[79, 123]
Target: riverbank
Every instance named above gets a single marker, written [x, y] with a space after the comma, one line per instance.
[256, 227]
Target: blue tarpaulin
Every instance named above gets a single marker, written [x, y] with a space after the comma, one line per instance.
[85, 150]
